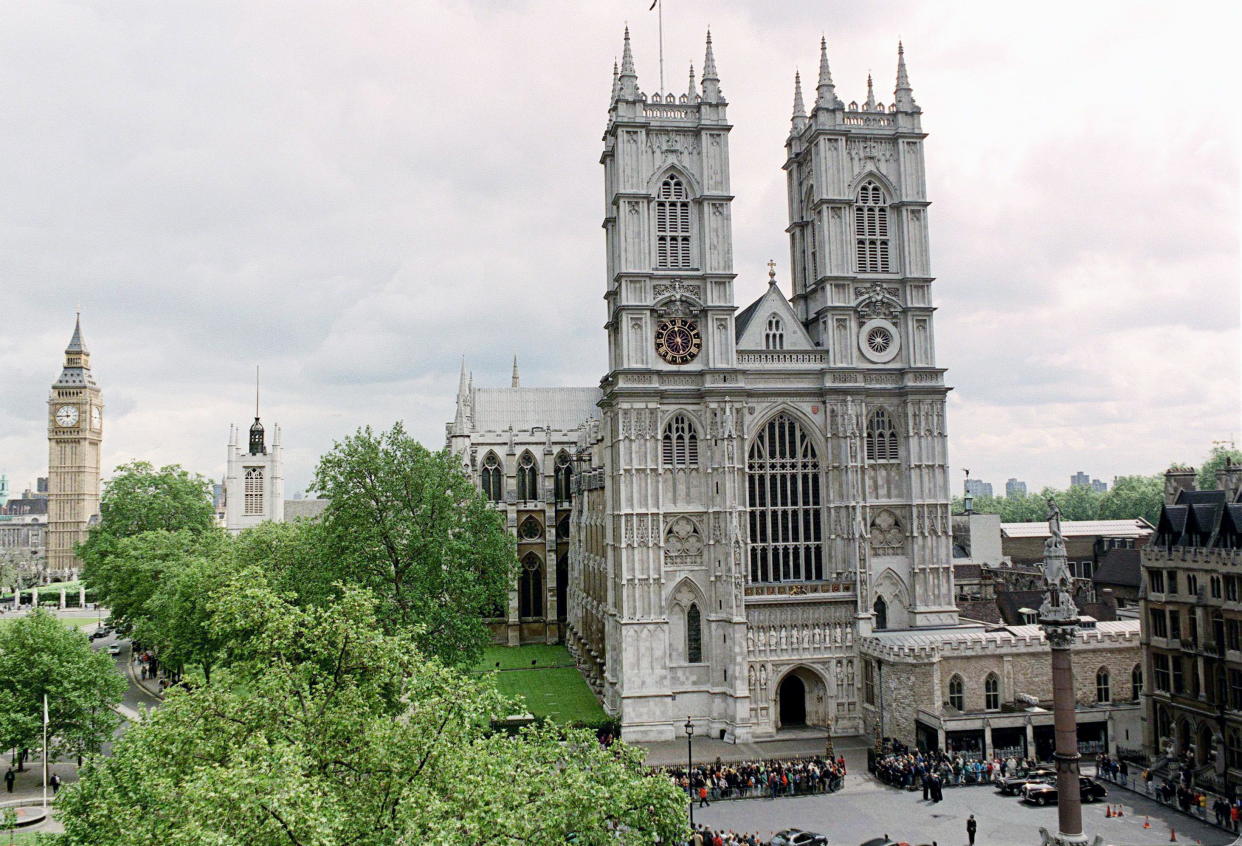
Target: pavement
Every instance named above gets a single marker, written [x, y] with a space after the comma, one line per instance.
[865, 808]
[795, 743]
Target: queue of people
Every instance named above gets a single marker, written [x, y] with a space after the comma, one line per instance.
[912, 769]
[704, 836]
[755, 779]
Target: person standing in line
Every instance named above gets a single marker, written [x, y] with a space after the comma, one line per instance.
[9, 778]
[55, 782]
[971, 826]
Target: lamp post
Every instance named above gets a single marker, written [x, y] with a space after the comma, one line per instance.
[690, 765]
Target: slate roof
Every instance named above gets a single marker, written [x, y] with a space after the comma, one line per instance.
[743, 318]
[296, 509]
[495, 409]
[1201, 519]
[983, 610]
[1136, 528]
[1121, 567]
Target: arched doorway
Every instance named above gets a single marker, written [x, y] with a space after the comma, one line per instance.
[792, 695]
[1182, 738]
[1205, 748]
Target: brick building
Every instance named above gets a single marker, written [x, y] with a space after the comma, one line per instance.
[1191, 604]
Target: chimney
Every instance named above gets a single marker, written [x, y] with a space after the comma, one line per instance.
[1176, 480]
[1229, 479]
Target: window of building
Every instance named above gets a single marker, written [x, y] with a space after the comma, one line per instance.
[564, 477]
[1159, 623]
[1233, 634]
[783, 496]
[881, 437]
[1233, 748]
[492, 478]
[991, 692]
[1175, 624]
[1171, 577]
[530, 587]
[1179, 679]
[562, 528]
[869, 681]
[1192, 626]
[672, 224]
[1160, 667]
[1192, 584]
[531, 529]
[694, 635]
[527, 478]
[1136, 682]
[1214, 586]
[1192, 666]
[774, 336]
[253, 490]
[1103, 692]
[1231, 588]
[1155, 581]
[881, 613]
[957, 696]
[871, 229]
[1235, 690]
[680, 445]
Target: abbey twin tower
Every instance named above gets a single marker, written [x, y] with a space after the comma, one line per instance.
[717, 529]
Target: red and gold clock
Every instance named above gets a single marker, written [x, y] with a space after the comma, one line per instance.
[678, 341]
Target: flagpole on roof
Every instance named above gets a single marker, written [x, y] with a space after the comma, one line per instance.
[658, 5]
[45, 752]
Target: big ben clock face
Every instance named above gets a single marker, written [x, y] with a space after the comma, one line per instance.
[96, 416]
[678, 341]
[66, 415]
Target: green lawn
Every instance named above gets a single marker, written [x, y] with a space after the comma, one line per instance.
[552, 688]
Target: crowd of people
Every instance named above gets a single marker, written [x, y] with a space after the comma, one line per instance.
[704, 836]
[903, 767]
[755, 779]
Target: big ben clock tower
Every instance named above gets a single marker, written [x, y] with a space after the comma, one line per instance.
[74, 432]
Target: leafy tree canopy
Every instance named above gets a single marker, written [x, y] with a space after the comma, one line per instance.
[39, 655]
[1206, 480]
[405, 523]
[326, 730]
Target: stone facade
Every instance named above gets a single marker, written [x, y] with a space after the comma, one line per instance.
[910, 688]
[74, 433]
[254, 482]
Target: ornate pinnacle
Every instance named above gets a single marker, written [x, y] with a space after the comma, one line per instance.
[616, 82]
[799, 110]
[826, 92]
[870, 105]
[628, 79]
[903, 95]
[516, 379]
[711, 82]
[692, 92]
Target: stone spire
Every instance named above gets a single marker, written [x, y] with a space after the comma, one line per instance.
[76, 345]
[627, 88]
[517, 382]
[711, 82]
[459, 422]
[77, 368]
[903, 95]
[692, 92]
[870, 104]
[825, 91]
[799, 110]
[616, 82]
[462, 384]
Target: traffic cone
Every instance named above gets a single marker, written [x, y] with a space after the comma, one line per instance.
[1146, 822]
[1172, 835]
[1119, 812]
[1108, 812]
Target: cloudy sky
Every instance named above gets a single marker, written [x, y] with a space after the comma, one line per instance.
[354, 194]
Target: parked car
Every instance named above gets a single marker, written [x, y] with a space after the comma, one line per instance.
[99, 633]
[1012, 785]
[1046, 794]
[798, 837]
[114, 649]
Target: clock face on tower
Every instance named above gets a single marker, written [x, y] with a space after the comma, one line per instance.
[96, 416]
[677, 340]
[66, 415]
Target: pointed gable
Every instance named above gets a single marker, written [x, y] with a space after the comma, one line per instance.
[751, 326]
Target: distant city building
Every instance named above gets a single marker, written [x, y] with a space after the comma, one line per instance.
[41, 486]
[4, 490]
[1098, 486]
[1013, 488]
[1080, 480]
[978, 487]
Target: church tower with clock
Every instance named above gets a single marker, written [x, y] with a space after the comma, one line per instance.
[74, 433]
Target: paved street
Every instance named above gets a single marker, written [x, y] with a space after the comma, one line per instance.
[865, 808]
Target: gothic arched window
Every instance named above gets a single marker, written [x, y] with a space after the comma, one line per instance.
[1136, 682]
[527, 478]
[694, 635]
[812, 239]
[564, 474]
[492, 478]
[783, 496]
[253, 490]
[530, 587]
[774, 337]
[562, 528]
[957, 695]
[1103, 692]
[881, 437]
[680, 445]
[881, 613]
[672, 224]
[991, 692]
[531, 529]
[871, 229]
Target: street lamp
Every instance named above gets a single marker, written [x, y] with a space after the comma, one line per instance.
[690, 765]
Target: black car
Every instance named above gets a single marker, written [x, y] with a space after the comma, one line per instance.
[798, 837]
[1014, 784]
[1046, 794]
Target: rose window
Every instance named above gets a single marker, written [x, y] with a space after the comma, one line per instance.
[879, 340]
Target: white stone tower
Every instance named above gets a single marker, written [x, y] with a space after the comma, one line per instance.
[254, 484]
[74, 433]
[862, 288]
[671, 457]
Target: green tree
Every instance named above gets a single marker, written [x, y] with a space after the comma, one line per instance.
[178, 614]
[39, 655]
[1215, 460]
[328, 731]
[405, 523]
[1132, 497]
[1077, 502]
[292, 557]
